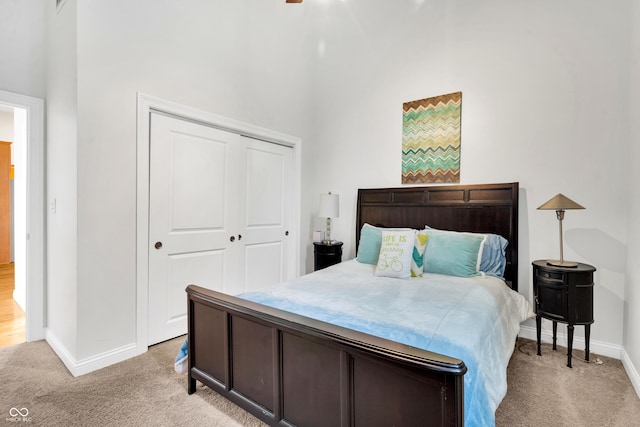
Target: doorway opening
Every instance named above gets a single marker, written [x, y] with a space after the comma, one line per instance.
[12, 223]
[12, 319]
[22, 271]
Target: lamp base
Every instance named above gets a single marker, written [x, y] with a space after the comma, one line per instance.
[566, 264]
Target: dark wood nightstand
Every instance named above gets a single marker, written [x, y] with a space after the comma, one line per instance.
[326, 254]
[564, 294]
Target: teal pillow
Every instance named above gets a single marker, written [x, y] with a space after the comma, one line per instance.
[370, 242]
[493, 260]
[452, 253]
[369, 246]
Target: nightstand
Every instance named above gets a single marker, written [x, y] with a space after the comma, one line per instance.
[326, 254]
[564, 294]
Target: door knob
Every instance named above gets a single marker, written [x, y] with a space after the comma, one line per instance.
[158, 245]
[232, 238]
[286, 233]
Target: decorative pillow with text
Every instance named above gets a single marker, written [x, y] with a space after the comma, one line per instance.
[396, 253]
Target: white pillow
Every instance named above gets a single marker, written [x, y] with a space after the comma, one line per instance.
[395, 254]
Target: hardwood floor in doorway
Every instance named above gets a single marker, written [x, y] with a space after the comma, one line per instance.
[12, 318]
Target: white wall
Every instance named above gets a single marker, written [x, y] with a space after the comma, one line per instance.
[544, 103]
[544, 89]
[62, 162]
[6, 125]
[22, 47]
[632, 288]
[22, 75]
[242, 59]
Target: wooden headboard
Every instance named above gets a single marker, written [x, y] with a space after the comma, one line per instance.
[484, 208]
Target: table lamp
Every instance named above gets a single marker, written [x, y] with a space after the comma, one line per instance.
[560, 203]
[329, 208]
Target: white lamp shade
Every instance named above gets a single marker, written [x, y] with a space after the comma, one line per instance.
[329, 206]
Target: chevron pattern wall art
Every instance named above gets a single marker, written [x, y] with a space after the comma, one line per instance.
[431, 139]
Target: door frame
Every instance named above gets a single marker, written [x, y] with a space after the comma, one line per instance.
[35, 247]
[147, 104]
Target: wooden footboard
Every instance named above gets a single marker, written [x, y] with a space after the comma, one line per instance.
[292, 370]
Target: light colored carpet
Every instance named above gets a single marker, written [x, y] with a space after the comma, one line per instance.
[141, 391]
[146, 391]
[543, 391]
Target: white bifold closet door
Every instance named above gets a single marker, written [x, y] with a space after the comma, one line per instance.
[220, 209]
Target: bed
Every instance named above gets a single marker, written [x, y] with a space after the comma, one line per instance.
[296, 363]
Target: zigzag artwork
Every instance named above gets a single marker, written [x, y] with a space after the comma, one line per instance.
[431, 139]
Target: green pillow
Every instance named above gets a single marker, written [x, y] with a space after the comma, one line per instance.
[452, 253]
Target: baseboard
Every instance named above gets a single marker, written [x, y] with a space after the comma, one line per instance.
[60, 350]
[631, 371]
[595, 347]
[93, 363]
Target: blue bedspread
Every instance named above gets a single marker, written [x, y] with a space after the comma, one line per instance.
[472, 319]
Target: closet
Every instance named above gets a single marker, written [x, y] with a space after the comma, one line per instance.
[220, 212]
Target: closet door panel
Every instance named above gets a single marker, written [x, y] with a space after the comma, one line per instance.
[264, 264]
[194, 183]
[196, 179]
[265, 187]
[267, 216]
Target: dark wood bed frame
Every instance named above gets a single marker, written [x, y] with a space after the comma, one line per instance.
[290, 370]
